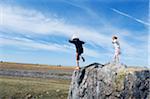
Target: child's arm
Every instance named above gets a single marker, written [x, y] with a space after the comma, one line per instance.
[82, 42]
[70, 41]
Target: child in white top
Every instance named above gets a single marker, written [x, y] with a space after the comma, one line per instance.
[117, 48]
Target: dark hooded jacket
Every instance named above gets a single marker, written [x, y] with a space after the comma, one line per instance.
[78, 44]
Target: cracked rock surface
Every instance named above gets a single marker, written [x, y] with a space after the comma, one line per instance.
[110, 81]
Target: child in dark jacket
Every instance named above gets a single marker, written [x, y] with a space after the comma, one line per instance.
[79, 49]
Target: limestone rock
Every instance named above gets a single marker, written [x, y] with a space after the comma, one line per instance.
[110, 81]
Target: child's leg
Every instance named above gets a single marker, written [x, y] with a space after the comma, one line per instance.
[82, 58]
[77, 60]
[117, 55]
[77, 63]
[117, 58]
[114, 58]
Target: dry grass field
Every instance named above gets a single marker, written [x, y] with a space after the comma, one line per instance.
[33, 88]
[10, 65]
[15, 87]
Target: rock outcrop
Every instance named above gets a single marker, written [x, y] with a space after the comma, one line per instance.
[110, 81]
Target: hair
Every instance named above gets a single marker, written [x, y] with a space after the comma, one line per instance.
[114, 37]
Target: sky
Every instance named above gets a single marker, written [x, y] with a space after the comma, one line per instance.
[37, 31]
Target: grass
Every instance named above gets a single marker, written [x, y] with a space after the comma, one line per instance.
[33, 88]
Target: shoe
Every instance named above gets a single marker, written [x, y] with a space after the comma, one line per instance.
[77, 68]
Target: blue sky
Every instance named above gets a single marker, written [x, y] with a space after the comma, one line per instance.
[37, 31]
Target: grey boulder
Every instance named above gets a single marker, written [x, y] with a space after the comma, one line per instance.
[110, 81]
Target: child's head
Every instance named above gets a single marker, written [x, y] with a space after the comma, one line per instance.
[75, 36]
[114, 37]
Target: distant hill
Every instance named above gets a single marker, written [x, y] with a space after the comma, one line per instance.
[26, 66]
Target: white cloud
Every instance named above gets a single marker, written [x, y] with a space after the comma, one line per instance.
[83, 7]
[34, 22]
[131, 17]
[32, 45]
[21, 42]
[31, 21]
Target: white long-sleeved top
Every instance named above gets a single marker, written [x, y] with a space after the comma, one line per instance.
[116, 44]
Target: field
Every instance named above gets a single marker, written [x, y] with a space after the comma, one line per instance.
[35, 81]
[28, 85]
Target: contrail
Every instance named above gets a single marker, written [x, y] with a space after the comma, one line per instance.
[131, 17]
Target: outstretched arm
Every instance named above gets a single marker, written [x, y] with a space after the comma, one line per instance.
[82, 42]
[70, 41]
